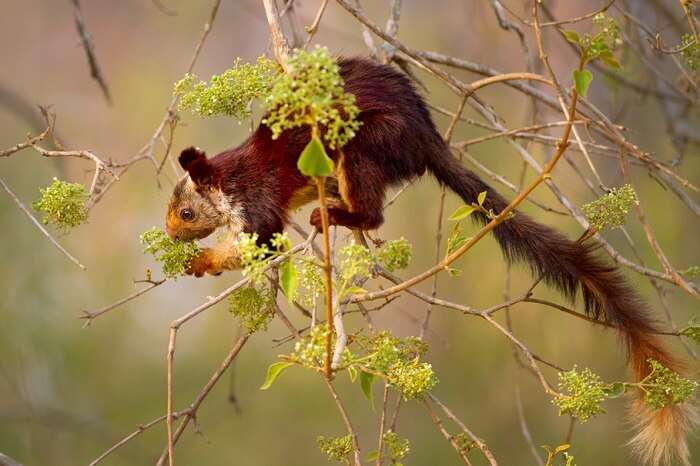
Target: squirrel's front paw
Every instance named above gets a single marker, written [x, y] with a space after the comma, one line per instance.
[204, 263]
[335, 214]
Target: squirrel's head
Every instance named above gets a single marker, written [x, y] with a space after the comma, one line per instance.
[197, 206]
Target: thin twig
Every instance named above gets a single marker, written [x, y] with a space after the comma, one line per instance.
[477, 441]
[86, 39]
[279, 42]
[311, 30]
[191, 412]
[346, 420]
[449, 437]
[382, 425]
[89, 316]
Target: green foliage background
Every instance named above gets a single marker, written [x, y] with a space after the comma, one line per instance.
[68, 393]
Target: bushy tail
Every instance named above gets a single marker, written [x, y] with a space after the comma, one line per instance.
[572, 267]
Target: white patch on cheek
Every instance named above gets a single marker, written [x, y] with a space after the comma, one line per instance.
[233, 215]
[237, 218]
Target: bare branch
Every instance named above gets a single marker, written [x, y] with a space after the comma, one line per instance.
[86, 40]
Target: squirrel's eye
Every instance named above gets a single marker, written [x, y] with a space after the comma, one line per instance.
[187, 215]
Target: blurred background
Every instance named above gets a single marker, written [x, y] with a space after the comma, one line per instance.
[68, 393]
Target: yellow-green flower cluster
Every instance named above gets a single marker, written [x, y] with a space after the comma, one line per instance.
[608, 31]
[384, 350]
[230, 93]
[663, 386]
[312, 93]
[310, 350]
[399, 361]
[311, 284]
[336, 448]
[412, 378]
[398, 448]
[395, 254]
[174, 255]
[611, 209]
[583, 393]
[254, 257]
[690, 52]
[255, 308]
[356, 262]
[63, 204]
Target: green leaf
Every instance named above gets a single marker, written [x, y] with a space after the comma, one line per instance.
[571, 36]
[366, 381]
[462, 212]
[481, 198]
[609, 59]
[615, 390]
[314, 161]
[288, 279]
[582, 79]
[273, 372]
[372, 455]
[352, 372]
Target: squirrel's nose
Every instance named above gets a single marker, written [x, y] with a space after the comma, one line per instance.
[171, 232]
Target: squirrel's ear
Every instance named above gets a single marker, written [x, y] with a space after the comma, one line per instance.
[194, 161]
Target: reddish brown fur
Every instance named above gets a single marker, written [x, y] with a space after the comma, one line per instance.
[398, 141]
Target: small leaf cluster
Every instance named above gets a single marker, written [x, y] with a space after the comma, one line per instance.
[583, 393]
[690, 52]
[600, 44]
[664, 387]
[230, 93]
[398, 448]
[395, 254]
[336, 448]
[175, 256]
[312, 93]
[457, 238]
[254, 307]
[595, 46]
[611, 209]
[63, 204]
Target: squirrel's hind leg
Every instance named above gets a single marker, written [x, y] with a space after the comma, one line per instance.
[361, 186]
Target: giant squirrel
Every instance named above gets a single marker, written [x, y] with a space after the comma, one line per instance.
[253, 188]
